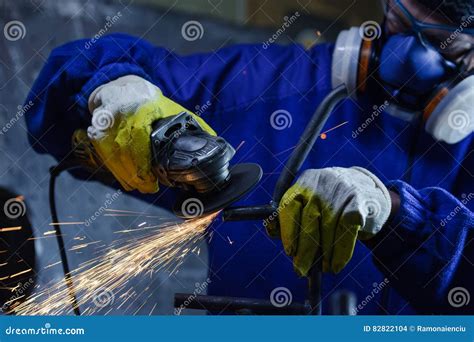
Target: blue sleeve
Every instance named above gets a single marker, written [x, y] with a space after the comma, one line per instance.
[228, 78]
[60, 92]
[427, 249]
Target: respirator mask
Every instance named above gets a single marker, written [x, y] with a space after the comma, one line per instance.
[421, 69]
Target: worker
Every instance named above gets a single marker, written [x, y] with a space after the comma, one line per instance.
[386, 197]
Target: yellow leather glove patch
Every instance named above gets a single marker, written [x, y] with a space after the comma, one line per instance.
[125, 147]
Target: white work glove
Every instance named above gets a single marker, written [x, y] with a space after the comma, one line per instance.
[123, 112]
[117, 98]
[327, 210]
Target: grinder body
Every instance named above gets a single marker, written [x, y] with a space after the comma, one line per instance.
[185, 156]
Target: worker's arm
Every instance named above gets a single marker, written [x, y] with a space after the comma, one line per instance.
[210, 83]
[426, 250]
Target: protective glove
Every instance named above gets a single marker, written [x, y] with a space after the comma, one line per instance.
[123, 111]
[326, 210]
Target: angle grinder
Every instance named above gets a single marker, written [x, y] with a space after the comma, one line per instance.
[186, 157]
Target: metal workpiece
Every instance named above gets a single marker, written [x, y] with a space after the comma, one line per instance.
[258, 212]
[296, 160]
[343, 302]
[286, 179]
[236, 305]
[307, 140]
[314, 287]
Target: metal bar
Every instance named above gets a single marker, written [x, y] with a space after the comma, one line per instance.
[291, 169]
[343, 303]
[286, 178]
[236, 305]
[314, 290]
[259, 212]
[307, 140]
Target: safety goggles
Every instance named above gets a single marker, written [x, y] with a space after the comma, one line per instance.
[451, 41]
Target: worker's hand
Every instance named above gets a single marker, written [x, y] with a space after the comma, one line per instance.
[123, 111]
[326, 210]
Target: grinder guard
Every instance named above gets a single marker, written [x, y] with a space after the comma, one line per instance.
[187, 157]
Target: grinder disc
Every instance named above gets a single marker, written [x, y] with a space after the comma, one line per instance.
[243, 177]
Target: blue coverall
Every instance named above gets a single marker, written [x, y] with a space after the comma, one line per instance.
[424, 252]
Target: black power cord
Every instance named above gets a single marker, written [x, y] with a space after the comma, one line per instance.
[55, 171]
